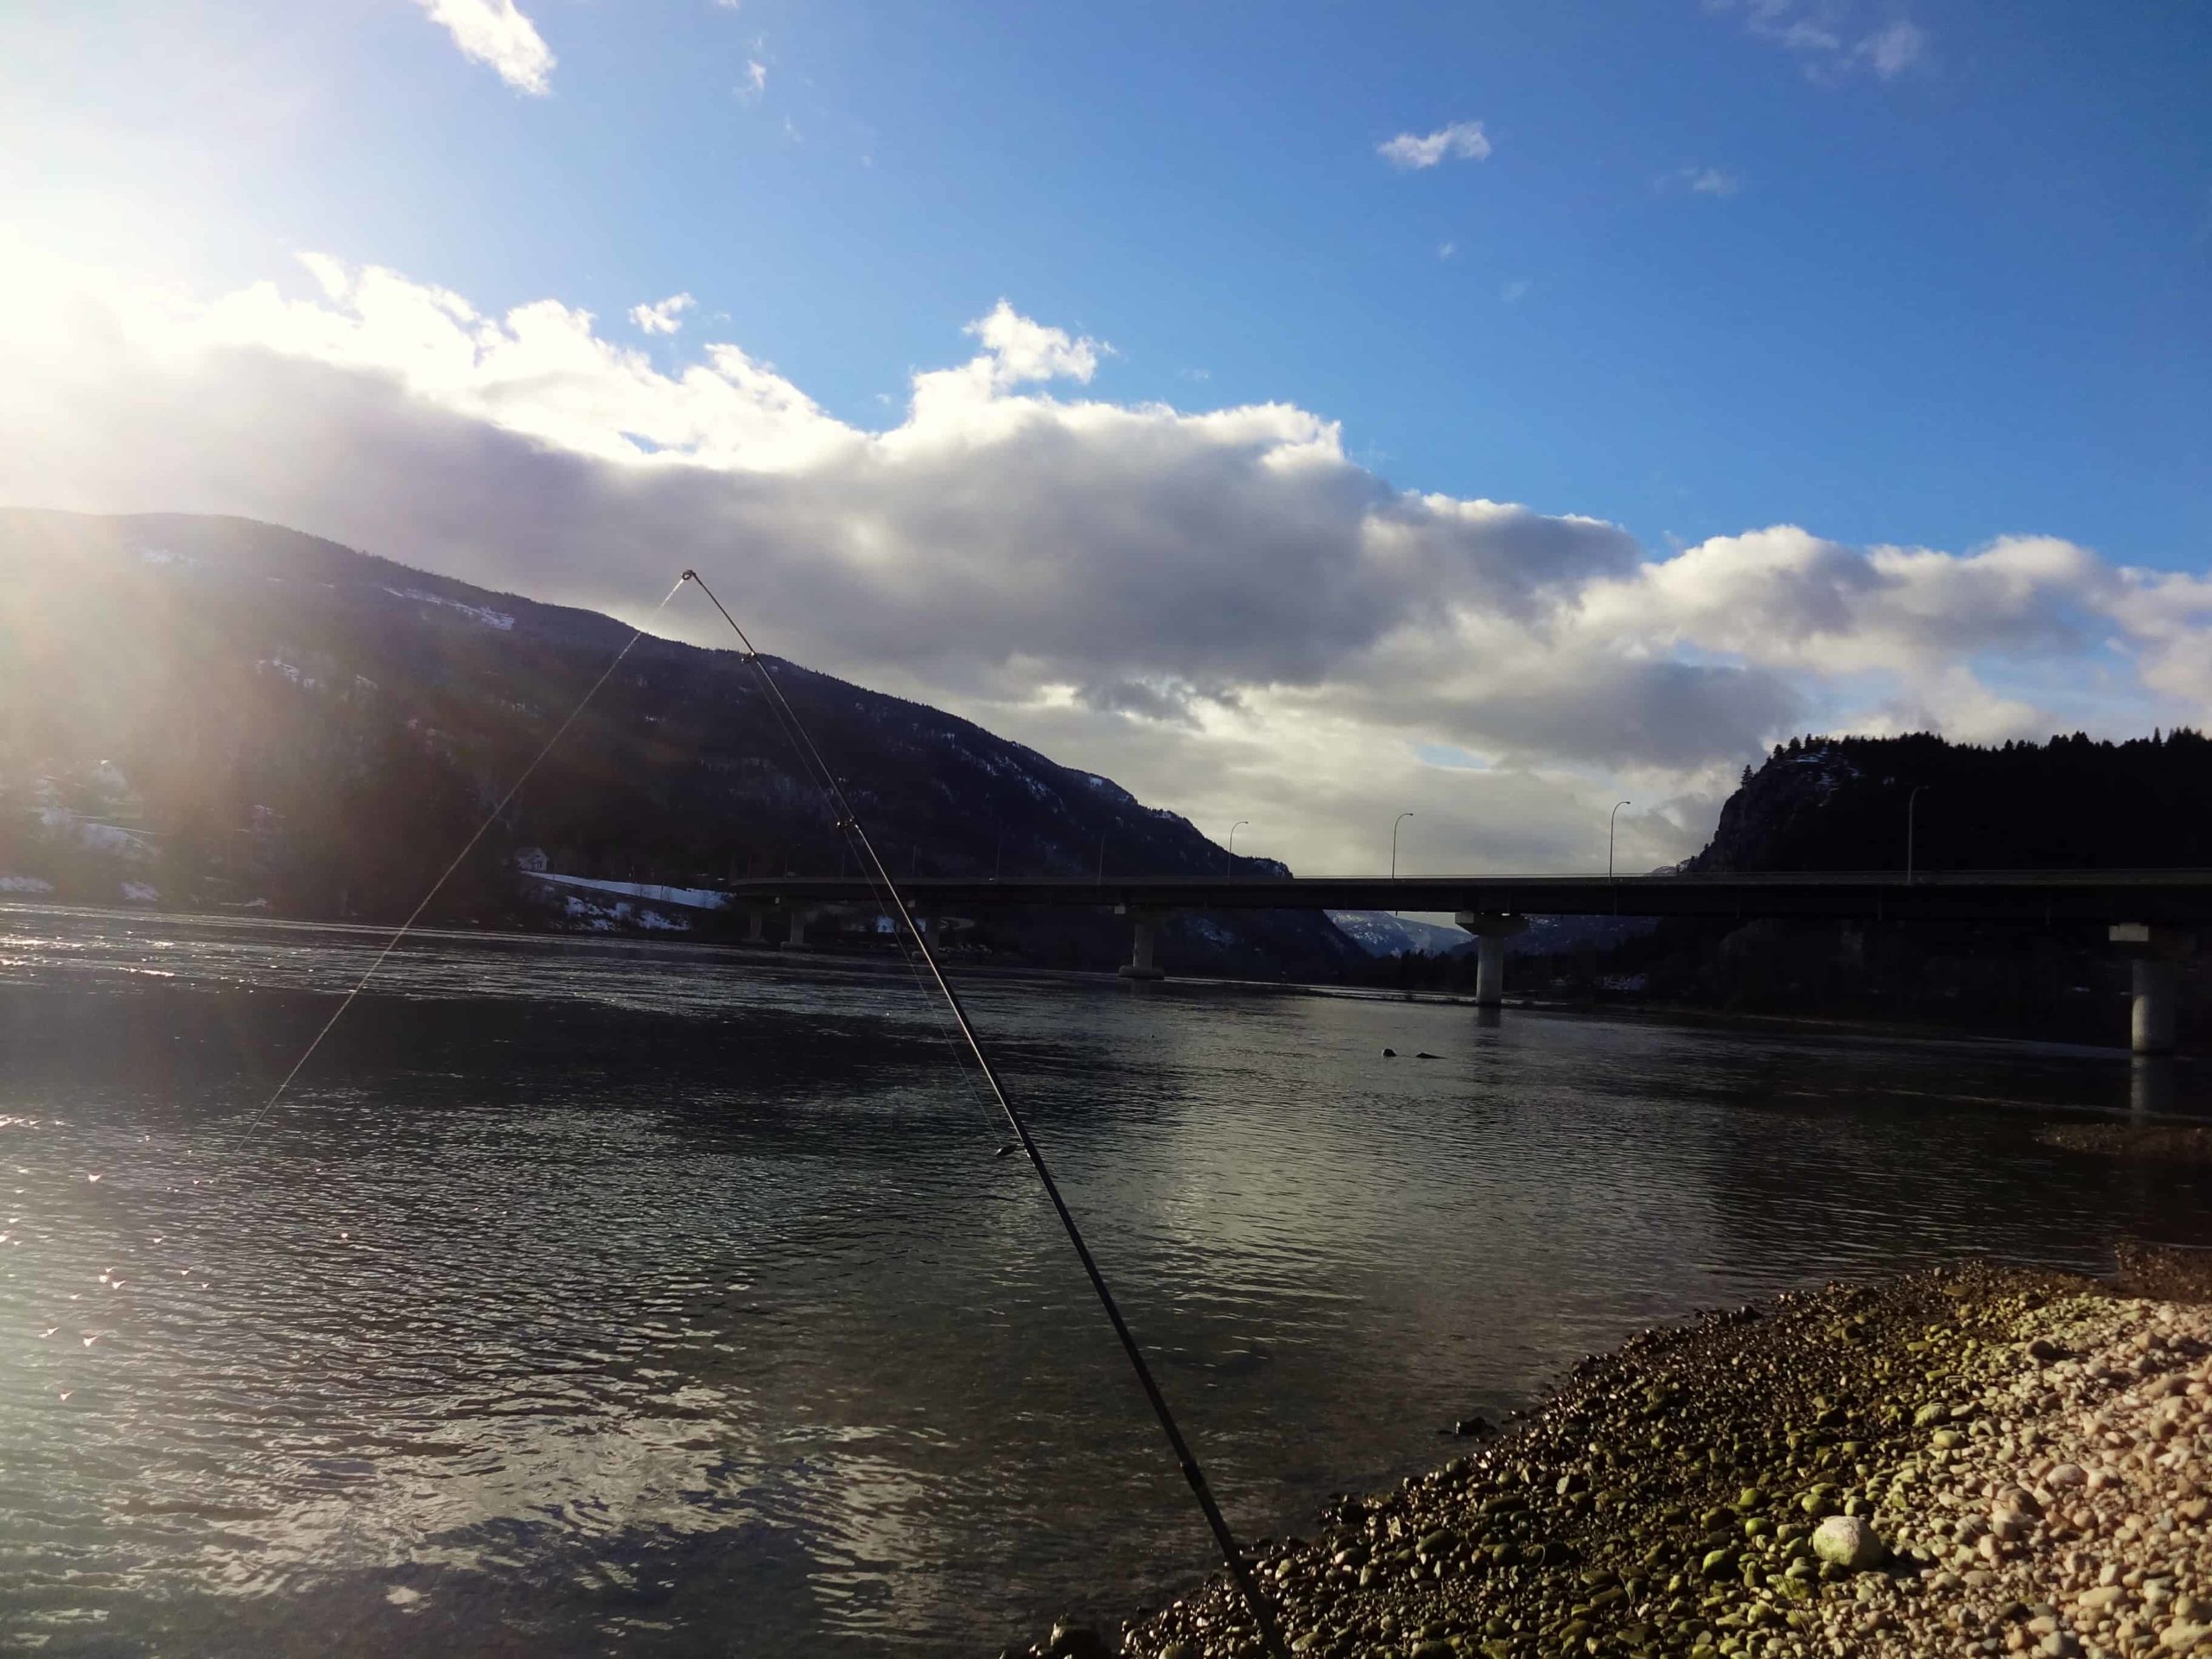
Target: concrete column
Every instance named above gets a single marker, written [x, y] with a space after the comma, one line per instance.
[1144, 927]
[756, 918]
[2157, 987]
[797, 941]
[2158, 953]
[1489, 971]
[1490, 933]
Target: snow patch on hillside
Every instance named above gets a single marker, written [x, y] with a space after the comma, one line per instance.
[484, 613]
[687, 898]
[297, 676]
[1380, 934]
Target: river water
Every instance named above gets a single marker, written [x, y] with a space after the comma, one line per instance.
[589, 1297]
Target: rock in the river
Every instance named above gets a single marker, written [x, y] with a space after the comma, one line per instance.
[1848, 1541]
[1076, 1642]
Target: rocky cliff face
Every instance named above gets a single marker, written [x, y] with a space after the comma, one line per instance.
[210, 711]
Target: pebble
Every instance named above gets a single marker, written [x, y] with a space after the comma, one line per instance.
[1977, 1462]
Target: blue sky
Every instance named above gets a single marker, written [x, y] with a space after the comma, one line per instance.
[1971, 297]
[1928, 274]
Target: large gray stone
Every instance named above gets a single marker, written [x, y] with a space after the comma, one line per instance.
[1848, 1541]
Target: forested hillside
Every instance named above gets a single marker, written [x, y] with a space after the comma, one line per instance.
[1844, 804]
[2074, 803]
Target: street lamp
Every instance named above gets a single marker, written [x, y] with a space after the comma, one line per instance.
[1912, 802]
[1395, 823]
[1610, 818]
[1102, 861]
[1229, 864]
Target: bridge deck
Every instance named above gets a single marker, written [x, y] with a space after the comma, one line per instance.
[2182, 898]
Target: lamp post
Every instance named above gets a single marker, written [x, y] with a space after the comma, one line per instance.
[1102, 861]
[1611, 817]
[1229, 864]
[1912, 806]
[1395, 823]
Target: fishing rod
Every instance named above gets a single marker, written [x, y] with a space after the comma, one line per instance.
[849, 823]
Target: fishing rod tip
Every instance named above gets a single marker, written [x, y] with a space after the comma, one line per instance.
[690, 576]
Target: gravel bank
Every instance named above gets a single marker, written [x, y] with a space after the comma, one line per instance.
[1974, 1462]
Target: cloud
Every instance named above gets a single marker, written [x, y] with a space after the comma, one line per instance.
[663, 318]
[755, 81]
[495, 33]
[1218, 607]
[1703, 181]
[1516, 291]
[1463, 141]
[1446, 249]
[1891, 50]
[1830, 38]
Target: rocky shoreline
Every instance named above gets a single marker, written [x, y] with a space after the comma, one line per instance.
[1983, 1461]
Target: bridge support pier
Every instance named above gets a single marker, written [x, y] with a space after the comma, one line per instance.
[2158, 954]
[1490, 931]
[756, 925]
[2157, 987]
[796, 940]
[1144, 927]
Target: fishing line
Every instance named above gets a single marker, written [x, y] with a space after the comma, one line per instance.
[817, 773]
[438, 885]
[849, 822]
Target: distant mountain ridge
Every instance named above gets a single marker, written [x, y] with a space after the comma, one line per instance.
[216, 711]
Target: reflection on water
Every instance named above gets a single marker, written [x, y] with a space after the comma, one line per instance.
[591, 1296]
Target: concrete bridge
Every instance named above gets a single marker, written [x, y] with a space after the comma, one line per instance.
[2153, 916]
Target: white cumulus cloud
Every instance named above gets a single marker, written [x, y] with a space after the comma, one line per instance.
[1219, 607]
[662, 317]
[495, 33]
[1463, 141]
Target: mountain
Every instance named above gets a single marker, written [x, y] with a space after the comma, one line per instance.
[1382, 934]
[205, 711]
[2074, 803]
[1845, 803]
